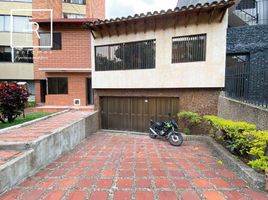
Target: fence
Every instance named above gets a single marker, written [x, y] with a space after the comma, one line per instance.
[245, 82]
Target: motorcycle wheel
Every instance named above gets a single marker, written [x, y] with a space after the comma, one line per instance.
[152, 135]
[176, 139]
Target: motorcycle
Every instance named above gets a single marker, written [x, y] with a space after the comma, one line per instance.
[166, 130]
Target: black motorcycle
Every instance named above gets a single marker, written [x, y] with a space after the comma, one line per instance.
[166, 130]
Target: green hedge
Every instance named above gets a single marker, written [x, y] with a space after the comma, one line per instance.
[193, 118]
[240, 138]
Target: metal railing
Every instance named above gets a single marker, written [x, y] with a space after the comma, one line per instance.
[246, 83]
[247, 11]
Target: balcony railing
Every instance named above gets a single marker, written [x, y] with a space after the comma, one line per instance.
[247, 11]
[252, 12]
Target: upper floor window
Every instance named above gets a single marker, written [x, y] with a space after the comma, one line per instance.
[73, 16]
[4, 23]
[75, 1]
[5, 54]
[45, 40]
[29, 1]
[125, 56]
[22, 55]
[20, 23]
[189, 48]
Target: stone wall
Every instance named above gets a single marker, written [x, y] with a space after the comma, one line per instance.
[249, 39]
[238, 111]
[203, 101]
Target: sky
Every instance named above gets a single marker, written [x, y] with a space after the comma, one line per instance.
[124, 8]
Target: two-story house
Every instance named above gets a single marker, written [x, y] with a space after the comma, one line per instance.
[63, 73]
[152, 64]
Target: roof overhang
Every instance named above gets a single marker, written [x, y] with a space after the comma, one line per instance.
[65, 21]
[77, 70]
[199, 13]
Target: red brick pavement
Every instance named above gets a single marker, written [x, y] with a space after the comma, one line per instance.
[122, 166]
[41, 128]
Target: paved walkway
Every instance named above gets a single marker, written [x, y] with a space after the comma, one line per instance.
[122, 166]
[41, 128]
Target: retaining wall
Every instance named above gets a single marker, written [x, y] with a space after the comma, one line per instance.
[238, 111]
[42, 152]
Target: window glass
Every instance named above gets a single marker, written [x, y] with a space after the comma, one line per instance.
[21, 24]
[5, 54]
[19, 0]
[6, 23]
[58, 85]
[75, 1]
[23, 55]
[1, 23]
[45, 40]
[73, 16]
[189, 48]
[125, 56]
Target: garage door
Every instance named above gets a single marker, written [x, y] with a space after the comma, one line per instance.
[134, 114]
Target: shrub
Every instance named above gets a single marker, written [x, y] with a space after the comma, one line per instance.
[13, 98]
[242, 139]
[258, 144]
[187, 131]
[193, 118]
[192, 123]
[228, 125]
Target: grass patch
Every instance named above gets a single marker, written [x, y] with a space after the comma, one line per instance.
[28, 117]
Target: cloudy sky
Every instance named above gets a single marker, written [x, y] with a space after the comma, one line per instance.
[120, 8]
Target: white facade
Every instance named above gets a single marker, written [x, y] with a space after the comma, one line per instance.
[207, 74]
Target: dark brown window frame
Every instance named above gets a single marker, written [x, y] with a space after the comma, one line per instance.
[143, 64]
[58, 92]
[190, 54]
[53, 48]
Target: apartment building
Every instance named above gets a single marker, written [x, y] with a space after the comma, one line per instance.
[16, 64]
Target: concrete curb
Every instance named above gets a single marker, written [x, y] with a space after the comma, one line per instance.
[16, 169]
[32, 122]
[255, 179]
[45, 150]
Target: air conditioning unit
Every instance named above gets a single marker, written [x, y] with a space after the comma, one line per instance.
[77, 102]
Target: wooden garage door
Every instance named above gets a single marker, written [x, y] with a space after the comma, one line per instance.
[134, 113]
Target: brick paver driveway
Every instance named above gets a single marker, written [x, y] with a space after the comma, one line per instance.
[124, 166]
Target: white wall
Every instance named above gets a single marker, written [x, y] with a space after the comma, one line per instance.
[208, 74]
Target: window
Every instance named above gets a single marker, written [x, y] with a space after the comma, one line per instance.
[58, 85]
[45, 41]
[73, 16]
[125, 56]
[19, 55]
[29, 1]
[5, 54]
[75, 1]
[23, 55]
[4, 23]
[20, 24]
[189, 48]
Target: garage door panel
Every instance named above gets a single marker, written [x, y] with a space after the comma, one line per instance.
[134, 113]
